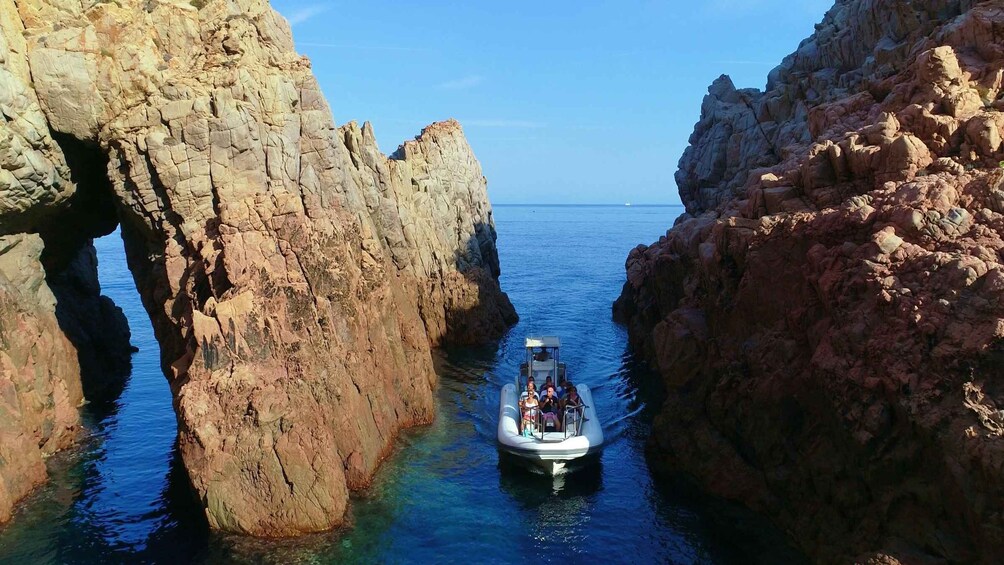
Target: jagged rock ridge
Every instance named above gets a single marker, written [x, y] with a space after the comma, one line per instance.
[296, 278]
[827, 315]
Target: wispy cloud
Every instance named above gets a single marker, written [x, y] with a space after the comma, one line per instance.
[524, 124]
[305, 13]
[469, 81]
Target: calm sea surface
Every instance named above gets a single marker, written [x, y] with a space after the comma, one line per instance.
[444, 496]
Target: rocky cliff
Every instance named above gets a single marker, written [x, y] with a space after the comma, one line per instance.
[430, 204]
[296, 278]
[40, 380]
[40, 387]
[827, 315]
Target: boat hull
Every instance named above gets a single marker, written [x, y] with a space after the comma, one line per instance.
[554, 453]
[552, 467]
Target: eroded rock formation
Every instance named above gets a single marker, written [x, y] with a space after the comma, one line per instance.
[828, 315]
[430, 205]
[39, 375]
[40, 387]
[296, 278]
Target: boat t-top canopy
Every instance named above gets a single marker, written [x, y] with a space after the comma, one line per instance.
[543, 341]
[542, 360]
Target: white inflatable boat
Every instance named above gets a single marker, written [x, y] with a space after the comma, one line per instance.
[537, 440]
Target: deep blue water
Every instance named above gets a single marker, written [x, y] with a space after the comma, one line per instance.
[444, 496]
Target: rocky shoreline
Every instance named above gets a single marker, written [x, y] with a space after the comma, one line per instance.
[296, 278]
[827, 314]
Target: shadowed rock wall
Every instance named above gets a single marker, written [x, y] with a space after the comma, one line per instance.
[40, 388]
[39, 375]
[827, 315]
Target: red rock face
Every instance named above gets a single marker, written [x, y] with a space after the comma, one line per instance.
[40, 386]
[828, 318]
[296, 278]
[39, 376]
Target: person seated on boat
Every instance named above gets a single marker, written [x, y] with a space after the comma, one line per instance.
[549, 408]
[563, 387]
[571, 406]
[527, 428]
[569, 389]
[542, 355]
[531, 389]
[547, 382]
[529, 405]
[572, 400]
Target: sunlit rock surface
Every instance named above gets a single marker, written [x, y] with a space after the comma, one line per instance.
[296, 278]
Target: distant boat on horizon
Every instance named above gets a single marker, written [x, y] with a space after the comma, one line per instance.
[627, 203]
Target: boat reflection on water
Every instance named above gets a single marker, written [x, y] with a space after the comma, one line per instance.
[526, 484]
[557, 507]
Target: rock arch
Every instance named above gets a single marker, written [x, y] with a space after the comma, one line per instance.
[296, 277]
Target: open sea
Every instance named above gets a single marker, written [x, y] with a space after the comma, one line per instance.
[121, 496]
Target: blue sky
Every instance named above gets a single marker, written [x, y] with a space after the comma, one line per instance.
[563, 102]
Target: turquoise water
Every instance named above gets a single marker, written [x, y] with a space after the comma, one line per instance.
[444, 496]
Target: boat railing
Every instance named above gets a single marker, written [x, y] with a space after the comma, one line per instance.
[537, 417]
[575, 414]
[541, 424]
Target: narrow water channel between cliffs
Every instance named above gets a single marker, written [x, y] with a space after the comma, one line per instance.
[442, 496]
